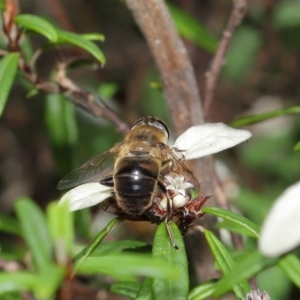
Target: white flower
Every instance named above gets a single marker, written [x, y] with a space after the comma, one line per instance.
[86, 195]
[178, 186]
[281, 228]
[257, 295]
[197, 141]
[202, 140]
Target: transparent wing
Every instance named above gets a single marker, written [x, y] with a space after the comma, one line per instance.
[92, 170]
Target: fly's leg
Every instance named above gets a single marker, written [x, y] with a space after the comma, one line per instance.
[168, 218]
[167, 222]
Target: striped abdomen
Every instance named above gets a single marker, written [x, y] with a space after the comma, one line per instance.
[135, 182]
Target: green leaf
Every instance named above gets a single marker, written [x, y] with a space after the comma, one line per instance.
[248, 226]
[226, 263]
[83, 223]
[107, 90]
[162, 248]
[2, 5]
[232, 227]
[116, 247]
[126, 288]
[203, 291]
[93, 36]
[38, 25]
[60, 120]
[86, 252]
[287, 14]
[81, 42]
[8, 71]
[12, 295]
[255, 204]
[290, 265]
[33, 92]
[10, 225]
[193, 30]
[265, 116]
[297, 147]
[127, 264]
[17, 281]
[145, 291]
[43, 285]
[240, 63]
[247, 267]
[35, 231]
[60, 222]
[49, 281]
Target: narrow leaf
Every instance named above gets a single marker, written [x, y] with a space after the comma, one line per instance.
[8, 71]
[290, 265]
[49, 281]
[10, 225]
[247, 268]
[93, 36]
[193, 30]
[106, 248]
[127, 264]
[202, 291]
[107, 90]
[226, 263]
[247, 226]
[163, 249]
[17, 281]
[83, 224]
[233, 228]
[145, 291]
[60, 120]
[37, 24]
[60, 222]
[265, 116]
[286, 15]
[86, 252]
[35, 231]
[81, 42]
[125, 288]
[297, 147]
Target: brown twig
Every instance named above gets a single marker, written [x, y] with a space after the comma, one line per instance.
[83, 99]
[236, 16]
[179, 83]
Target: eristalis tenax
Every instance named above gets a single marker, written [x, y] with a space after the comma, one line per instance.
[148, 180]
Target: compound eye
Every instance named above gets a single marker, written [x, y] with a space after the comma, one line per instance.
[152, 121]
[161, 124]
[138, 122]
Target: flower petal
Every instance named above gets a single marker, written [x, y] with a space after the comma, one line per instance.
[86, 195]
[207, 139]
[281, 228]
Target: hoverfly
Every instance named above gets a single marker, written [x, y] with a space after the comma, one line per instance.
[143, 174]
[148, 179]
